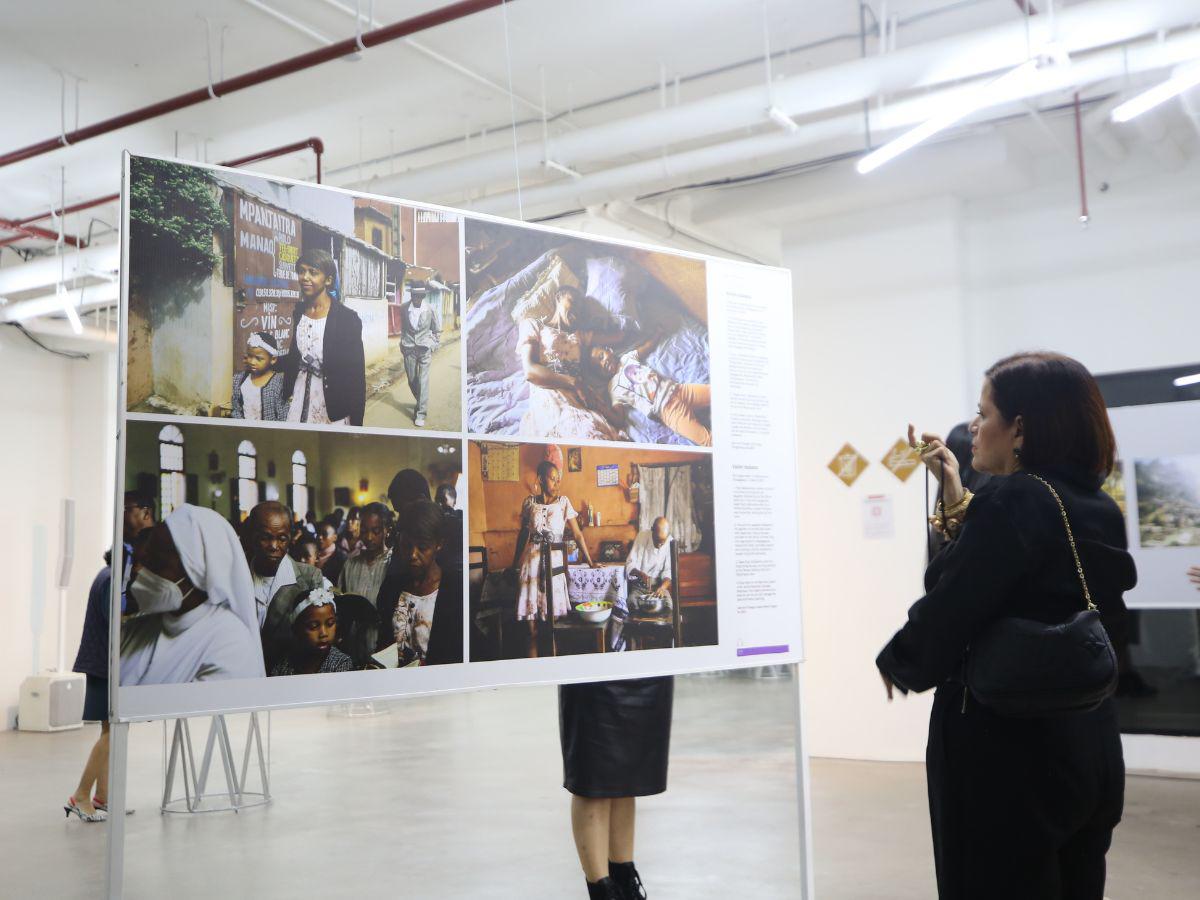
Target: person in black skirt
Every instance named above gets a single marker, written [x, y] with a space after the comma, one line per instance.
[1020, 807]
[92, 659]
[616, 738]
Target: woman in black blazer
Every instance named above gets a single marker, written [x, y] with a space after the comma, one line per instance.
[1020, 807]
[325, 372]
[418, 570]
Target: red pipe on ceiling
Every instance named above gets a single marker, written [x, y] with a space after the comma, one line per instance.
[32, 231]
[27, 230]
[315, 144]
[348, 47]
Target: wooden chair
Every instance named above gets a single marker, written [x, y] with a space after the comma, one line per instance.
[571, 622]
[477, 567]
[668, 622]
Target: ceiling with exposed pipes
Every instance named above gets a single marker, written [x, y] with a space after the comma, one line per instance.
[708, 103]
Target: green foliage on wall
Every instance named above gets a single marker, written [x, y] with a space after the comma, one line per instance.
[173, 213]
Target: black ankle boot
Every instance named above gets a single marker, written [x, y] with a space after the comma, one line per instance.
[628, 881]
[604, 889]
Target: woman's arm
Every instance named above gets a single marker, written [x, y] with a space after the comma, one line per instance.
[577, 533]
[978, 573]
[522, 540]
[539, 374]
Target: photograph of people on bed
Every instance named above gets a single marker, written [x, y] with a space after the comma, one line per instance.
[576, 339]
[561, 565]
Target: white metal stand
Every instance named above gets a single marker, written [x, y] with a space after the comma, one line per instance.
[803, 788]
[118, 751]
[196, 798]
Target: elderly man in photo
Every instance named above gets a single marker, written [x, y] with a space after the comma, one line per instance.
[648, 567]
[278, 579]
[648, 573]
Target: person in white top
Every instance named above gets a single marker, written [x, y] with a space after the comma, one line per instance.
[545, 517]
[648, 567]
[258, 388]
[629, 383]
[196, 618]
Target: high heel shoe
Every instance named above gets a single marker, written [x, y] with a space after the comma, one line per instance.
[73, 807]
[604, 889]
[628, 881]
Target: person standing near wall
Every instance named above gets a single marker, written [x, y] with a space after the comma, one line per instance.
[92, 659]
[1021, 806]
[325, 369]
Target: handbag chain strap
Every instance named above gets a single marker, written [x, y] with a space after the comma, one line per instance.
[1087, 595]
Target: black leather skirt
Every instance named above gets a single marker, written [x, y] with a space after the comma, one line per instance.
[616, 736]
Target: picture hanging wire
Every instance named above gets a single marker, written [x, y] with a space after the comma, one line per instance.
[512, 105]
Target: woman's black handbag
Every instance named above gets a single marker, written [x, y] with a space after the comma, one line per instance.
[1023, 668]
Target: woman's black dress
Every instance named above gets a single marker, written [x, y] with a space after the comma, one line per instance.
[616, 736]
[344, 368]
[1020, 808]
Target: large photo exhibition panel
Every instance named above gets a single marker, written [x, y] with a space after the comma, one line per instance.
[558, 458]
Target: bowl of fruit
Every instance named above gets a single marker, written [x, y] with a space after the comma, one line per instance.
[594, 611]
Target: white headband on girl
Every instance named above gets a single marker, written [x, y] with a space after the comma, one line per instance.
[321, 596]
[257, 341]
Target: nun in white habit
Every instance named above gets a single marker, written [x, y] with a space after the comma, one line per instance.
[196, 616]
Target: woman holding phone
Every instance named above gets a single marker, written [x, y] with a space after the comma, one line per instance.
[1021, 806]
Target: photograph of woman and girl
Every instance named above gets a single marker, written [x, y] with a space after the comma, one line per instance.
[540, 537]
[581, 339]
[289, 303]
[267, 591]
[322, 378]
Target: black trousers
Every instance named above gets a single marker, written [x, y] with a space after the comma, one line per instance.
[1022, 808]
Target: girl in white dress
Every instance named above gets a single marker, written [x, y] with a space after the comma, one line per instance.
[544, 515]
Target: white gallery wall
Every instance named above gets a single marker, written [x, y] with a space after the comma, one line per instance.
[57, 443]
[898, 312]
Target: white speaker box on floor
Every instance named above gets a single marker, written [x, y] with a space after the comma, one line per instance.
[52, 702]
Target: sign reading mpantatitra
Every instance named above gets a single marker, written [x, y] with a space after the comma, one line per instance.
[266, 245]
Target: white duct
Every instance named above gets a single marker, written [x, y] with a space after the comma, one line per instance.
[1076, 29]
[85, 299]
[91, 338]
[50, 271]
[610, 183]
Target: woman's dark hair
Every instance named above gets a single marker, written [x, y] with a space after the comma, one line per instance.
[1062, 411]
[422, 523]
[376, 509]
[301, 547]
[354, 513]
[406, 486]
[574, 292]
[544, 467]
[318, 259]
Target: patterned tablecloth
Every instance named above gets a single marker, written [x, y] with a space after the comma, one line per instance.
[604, 583]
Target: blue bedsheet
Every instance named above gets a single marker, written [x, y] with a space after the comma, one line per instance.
[497, 393]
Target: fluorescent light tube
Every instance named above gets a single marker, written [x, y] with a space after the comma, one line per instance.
[1187, 379]
[68, 306]
[782, 119]
[987, 95]
[1184, 78]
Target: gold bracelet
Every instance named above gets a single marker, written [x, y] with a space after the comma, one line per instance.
[959, 508]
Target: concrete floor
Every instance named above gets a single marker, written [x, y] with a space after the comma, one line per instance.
[459, 796]
[390, 402]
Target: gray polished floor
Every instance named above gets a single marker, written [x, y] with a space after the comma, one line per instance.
[459, 796]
